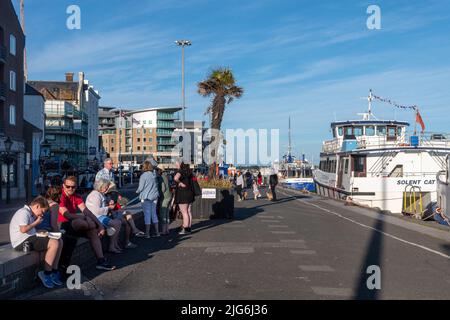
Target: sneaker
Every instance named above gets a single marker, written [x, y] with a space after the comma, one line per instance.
[157, 235]
[110, 231]
[46, 280]
[130, 245]
[139, 234]
[56, 279]
[188, 230]
[183, 231]
[105, 266]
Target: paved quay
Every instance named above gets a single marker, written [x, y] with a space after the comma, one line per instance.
[300, 247]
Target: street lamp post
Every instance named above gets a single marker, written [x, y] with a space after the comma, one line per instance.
[182, 44]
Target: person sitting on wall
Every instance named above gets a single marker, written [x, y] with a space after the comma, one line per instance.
[22, 231]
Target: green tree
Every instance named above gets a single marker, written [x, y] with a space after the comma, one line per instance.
[221, 86]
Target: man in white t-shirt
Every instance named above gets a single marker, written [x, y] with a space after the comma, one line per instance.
[23, 229]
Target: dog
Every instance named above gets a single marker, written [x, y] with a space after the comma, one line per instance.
[269, 195]
[244, 195]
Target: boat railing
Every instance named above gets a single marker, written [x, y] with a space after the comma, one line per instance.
[403, 175]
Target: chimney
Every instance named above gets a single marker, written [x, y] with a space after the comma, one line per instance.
[69, 76]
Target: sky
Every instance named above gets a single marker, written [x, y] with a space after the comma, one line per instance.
[314, 61]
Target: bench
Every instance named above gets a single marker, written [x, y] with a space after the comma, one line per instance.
[18, 271]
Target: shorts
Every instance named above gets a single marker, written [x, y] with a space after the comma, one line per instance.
[104, 220]
[36, 243]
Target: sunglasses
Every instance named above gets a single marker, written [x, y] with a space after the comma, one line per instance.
[70, 187]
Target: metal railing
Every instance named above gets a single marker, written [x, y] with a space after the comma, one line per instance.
[426, 139]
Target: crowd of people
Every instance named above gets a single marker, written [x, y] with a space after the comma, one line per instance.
[54, 221]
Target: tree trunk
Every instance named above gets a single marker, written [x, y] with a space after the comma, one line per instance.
[218, 108]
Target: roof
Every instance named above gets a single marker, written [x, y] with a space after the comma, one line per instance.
[57, 90]
[375, 122]
[30, 91]
[165, 109]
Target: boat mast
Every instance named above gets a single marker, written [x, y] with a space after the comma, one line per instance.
[289, 146]
[370, 98]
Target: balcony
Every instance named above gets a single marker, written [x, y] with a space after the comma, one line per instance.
[3, 54]
[2, 91]
[167, 116]
[168, 142]
[165, 124]
[162, 132]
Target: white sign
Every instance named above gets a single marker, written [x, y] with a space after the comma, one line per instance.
[208, 193]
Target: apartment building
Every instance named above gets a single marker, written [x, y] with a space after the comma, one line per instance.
[130, 136]
[71, 121]
[12, 44]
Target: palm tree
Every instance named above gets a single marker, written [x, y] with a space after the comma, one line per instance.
[222, 86]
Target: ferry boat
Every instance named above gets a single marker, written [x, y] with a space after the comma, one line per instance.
[442, 210]
[377, 163]
[295, 174]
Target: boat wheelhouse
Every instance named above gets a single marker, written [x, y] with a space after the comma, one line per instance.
[377, 163]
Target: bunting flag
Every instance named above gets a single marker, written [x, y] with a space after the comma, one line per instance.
[136, 121]
[394, 103]
[419, 120]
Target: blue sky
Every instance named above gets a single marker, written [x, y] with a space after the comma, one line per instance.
[311, 60]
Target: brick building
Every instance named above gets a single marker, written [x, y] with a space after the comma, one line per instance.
[12, 44]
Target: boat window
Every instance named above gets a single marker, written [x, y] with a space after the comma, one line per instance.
[359, 166]
[381, 130]
[346, 166]
[399, 131]
[340, 131]
[370, 131]
[391, 132]
[348, 133]
[358, 131]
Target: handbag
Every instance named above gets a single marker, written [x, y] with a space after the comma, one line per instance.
[196, 187]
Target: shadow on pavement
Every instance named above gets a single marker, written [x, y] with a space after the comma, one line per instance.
[373, 258]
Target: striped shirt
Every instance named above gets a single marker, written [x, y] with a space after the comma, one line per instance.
[105, 174]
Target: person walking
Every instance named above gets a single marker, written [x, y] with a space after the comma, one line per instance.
[256, 192]
[240, 185]
[184, 195]
[165, 197]
[273, 181]
[259, 179]
[148, 194]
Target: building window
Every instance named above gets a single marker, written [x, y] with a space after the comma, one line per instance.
[145, 139]
[12, 115]
[150, 139]
[12, 44]
[12, 80]
[112, 140]
[145, 148]
[144, 122]
[112, 149]
[138, 131]
[144, 131]
[12, 174]
[150, 130]
[138, 139]
[139, 148]
[149, 121]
